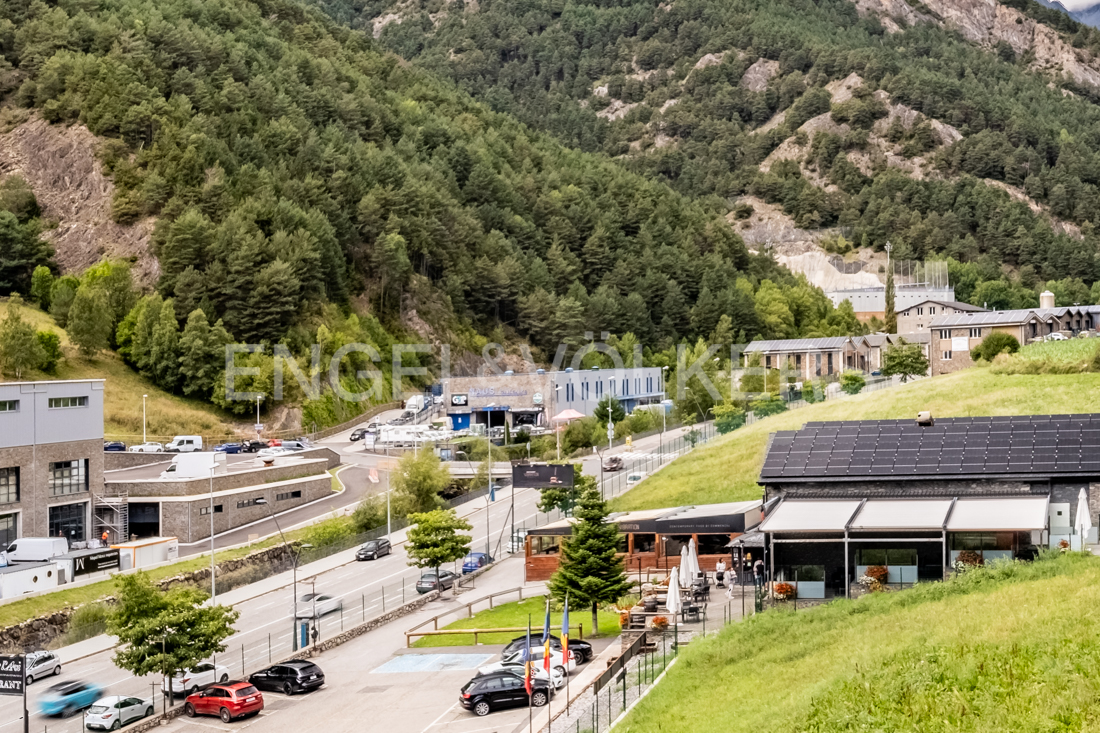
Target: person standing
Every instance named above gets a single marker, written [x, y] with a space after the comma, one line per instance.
[758, 572]
[720, 574]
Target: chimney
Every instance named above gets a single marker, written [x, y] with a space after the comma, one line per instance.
[1046, 299]
[925, 418]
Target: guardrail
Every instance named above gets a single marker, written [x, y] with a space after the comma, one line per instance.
[434, 620]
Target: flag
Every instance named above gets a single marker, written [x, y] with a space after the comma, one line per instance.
[527, 660]
[546, 638]
[565, 631]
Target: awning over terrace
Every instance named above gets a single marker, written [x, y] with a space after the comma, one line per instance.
[992, 514]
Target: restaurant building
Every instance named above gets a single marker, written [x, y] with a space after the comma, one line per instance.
[911, 496]
[651, 539]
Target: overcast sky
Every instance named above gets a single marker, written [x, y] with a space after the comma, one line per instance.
[1078, 4]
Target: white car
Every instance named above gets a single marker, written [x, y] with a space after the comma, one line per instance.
[277, 450]
[556, 660]
[42, 664]
[556, 677]
[317, 605]
[115, 711]
[147, 448]
[190, 680]
[1057, 337]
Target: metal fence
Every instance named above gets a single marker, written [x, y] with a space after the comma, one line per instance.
[646, 462]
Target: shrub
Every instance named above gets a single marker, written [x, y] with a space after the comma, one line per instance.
[728, 418]
[783, 591]
[852, 382]
[994, 344]
[773, 405]
[51, 350]
[624, 619]
[240, 577]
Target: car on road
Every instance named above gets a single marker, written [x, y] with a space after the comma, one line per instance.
[316, 605]
[374, 549]
[253, 446]
[295, 445]
[115, 446]
[1057, 337]
[227, 700]
[66, 698]
[114, 711]
[357, 434]
[502, 689]
[429, 581]
[150, 447]
[557, 661]
[582, 650]
[191, 680]
[42, 664]
[228, 448]
[475, 561]
[297, 675]
[557, 679]
[613, 463]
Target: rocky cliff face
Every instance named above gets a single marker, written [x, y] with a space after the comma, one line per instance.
[60, 165]
[987, 22]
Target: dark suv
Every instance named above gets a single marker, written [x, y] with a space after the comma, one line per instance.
[296, 675]
[502, 689]
[582, 650]
[374, 549]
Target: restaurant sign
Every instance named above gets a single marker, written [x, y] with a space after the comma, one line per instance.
[12, 675]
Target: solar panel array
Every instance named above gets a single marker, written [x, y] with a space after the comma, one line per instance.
[1035, 446]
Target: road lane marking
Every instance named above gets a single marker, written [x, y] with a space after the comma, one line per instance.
[436, 721]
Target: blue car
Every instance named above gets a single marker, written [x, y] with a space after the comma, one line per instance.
[475, 561]
[67, 698]
[228, 448]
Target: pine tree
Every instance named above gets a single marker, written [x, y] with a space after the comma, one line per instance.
[62, 294]
[164, 351]
[19, 347]
[89, 320]
[590, 572]
[50, 343]
[202, 354]
[891, 313]
[41, 282]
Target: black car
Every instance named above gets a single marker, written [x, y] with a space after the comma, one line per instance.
[374, 549]
[297, 675]
[253, 446]
[114, 446]
[429, 582]
[582, 650]
[502, 689]
[357, 434]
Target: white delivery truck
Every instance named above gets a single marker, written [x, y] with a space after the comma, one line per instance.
[415, 404]
[184, 444]
[195, 465]
[35, 549]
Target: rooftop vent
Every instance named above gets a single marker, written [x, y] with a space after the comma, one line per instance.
[925, 418]
[540, 371]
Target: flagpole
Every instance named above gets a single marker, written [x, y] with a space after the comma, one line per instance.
[530, 685]
[565, 648]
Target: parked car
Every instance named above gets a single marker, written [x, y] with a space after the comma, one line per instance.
[555, 676]
[503, 689]
[226, 700]
[357, 434]
[42, 664]
[613, 463]
[557, 661]
[475, 561]
[295, 445]
[274, 443]
[147, 448]
[115, 446]
[190, 680]
[582, 650]
[374, 549]
[66, 698]
[277, 450]
[228, 448]
[519, 539]
[253, 446]
[114, 711]
[296, 675]
[429, 581]
[1057, 337]
[316, 605]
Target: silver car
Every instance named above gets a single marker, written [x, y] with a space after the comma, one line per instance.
[316, 605]
[42, 664]
[147, 448]
[189, 681]
[114, 711]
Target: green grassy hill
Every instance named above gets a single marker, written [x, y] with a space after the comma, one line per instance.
[727, 469]
[1015, 648]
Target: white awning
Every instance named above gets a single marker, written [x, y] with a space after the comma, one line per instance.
[1000, 514]
[811, 516]
[902, 514]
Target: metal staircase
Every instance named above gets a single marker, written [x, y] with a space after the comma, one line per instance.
[112, 514]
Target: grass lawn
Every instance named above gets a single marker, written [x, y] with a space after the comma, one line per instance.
[516, 614]
[726, 469]
[1015, 648]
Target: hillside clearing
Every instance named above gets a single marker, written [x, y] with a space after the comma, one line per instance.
[726, 469]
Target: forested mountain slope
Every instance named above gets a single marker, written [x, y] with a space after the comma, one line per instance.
[957, 128]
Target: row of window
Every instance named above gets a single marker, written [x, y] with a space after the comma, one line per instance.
[56, 403]
[618, 388]
[974, 333]
[64, 478]
[68, 520]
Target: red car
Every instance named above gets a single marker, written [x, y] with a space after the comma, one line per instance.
[226, 700]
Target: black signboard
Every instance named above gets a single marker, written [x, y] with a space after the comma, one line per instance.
[542, 476]
[12, 676]
[459, 400]
[94, 562]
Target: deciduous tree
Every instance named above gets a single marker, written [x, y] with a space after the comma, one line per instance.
[434, 539]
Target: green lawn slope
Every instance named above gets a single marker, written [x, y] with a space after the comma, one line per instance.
[726, 469]
[1014, 648]
[516, 615]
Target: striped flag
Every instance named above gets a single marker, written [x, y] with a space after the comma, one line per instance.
[565, 631]
[546, 637]
[527, 660]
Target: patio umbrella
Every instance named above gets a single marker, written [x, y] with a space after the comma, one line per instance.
[1083, 522]
[566, 415]
[685, 568]
[673, 603]
[693, 558]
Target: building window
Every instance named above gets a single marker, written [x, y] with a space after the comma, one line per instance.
[204, 510]
[9, 485]
[830, 363]
[626, 387]
[68, 477]
[818, 364]
[288, 495]
[63, 402]
[9, 405]
[584, 391]
[920, 311]
[68, 521]
[611, 382]
[637, 385]
[7, 529]
[246, 503]
[946, 356]
[931, 311]
[945, 333]
[798, 362]
[975, 333]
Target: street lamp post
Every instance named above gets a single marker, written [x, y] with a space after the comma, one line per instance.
[294, 569]
[144, 424]
[557, 426]
[213, 585]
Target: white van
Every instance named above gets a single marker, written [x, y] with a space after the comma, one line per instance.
[196, 465]
[36, 549]
[184, 444]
